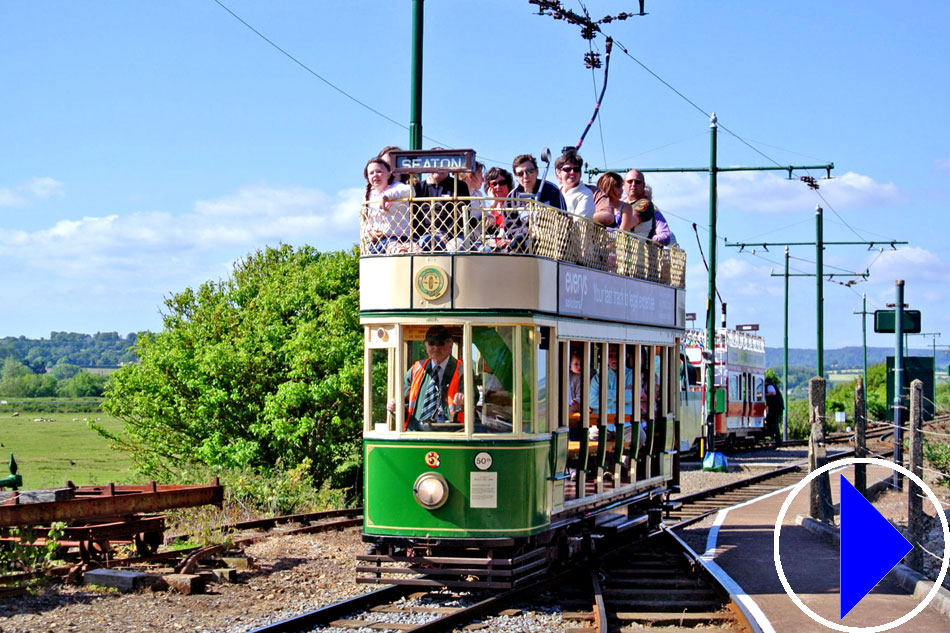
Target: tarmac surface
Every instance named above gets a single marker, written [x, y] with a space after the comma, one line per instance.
[742, 549]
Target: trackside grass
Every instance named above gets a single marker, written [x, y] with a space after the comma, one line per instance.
[53, 447]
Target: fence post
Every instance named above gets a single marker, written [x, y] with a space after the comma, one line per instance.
[860, 436]
[820, 489]
[915, 503]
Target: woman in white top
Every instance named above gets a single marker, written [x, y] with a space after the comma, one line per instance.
[387, 214]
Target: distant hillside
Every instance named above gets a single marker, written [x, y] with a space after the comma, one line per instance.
[842, 358]
[102, 349]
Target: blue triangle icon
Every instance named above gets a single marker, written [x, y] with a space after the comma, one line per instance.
[870, 547]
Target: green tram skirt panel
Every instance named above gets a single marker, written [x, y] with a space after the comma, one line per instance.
[479, 489]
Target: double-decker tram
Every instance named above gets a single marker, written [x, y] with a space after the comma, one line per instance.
[496, 435]
[739, 398]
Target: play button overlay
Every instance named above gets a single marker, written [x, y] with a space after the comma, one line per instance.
[868, 551]
[870, 547]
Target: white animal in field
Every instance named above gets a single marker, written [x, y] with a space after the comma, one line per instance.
[16, 414]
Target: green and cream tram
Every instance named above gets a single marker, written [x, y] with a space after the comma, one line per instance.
[539, 338]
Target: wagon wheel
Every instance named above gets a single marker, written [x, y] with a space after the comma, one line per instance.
[94, 550]
[146, 543]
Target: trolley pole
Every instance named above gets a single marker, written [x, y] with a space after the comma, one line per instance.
[415, 96]
[711, 294]
[898, 380]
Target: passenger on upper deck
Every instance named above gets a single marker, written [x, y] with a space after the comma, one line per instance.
[387, 214]
[498, 183]
[384, 154]
[525, 168]
[433, 386]
[474, 180]
[435, 223]
[662, 234]
[580, 199]
[612, 184]
[643, 213]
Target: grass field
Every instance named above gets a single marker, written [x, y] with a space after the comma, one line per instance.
[61, 447]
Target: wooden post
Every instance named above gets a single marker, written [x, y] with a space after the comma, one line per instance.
[820, 489]
[915, 502]
[860, 437]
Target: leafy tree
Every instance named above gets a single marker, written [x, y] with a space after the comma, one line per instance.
[64, 371]
[260, 370]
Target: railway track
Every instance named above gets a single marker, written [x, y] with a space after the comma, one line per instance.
[653, 583]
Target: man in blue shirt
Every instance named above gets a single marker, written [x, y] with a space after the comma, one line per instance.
[612, 374]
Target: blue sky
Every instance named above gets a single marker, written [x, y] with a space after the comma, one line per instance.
[147, 146]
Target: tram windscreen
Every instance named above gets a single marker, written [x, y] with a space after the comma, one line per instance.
[494, 378]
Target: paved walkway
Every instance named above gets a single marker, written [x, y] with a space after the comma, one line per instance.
[744, 550]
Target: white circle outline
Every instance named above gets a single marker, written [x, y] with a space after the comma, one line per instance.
[860, 629]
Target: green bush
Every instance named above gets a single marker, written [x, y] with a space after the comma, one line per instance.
[937, 454]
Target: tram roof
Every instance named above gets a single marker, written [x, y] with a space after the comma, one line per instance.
[550, 262]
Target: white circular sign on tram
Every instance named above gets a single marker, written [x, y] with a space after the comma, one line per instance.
[483, 461]
[781, 572]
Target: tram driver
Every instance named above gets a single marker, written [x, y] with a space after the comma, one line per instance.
[433, 386]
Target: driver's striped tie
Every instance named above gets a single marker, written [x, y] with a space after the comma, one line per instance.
[430, 402]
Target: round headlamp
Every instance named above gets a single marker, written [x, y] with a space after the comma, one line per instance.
[431, 490]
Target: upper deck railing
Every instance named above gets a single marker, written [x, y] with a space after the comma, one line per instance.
[519, 227]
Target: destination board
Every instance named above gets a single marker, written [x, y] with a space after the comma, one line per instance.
[590, 293]
[429, 160]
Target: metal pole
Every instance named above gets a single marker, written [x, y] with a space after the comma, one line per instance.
[415, 97]
[864, 336]
[819, 248]
[711, 294]
[898, 381]
[785, 357]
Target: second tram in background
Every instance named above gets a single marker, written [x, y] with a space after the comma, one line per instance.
[739, 399]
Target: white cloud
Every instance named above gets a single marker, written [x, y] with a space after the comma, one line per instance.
[767, 192]
[149, 244]
[911, 264]
[29, 192]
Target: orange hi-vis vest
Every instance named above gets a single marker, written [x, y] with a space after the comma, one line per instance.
[418, 372]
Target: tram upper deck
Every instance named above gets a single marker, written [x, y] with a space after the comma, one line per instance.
[463, 253]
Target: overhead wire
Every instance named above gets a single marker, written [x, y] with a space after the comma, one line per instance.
[723, 127]
[334, 86]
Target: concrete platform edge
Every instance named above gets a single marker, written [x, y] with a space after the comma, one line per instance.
[911, 581]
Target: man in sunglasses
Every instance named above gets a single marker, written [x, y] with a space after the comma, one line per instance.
[644, 214]
[433, 386]
[581, 200]
[525, 168]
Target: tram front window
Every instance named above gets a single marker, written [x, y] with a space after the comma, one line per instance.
[434, 381]
[492, 346]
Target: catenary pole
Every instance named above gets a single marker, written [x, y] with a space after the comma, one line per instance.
[711, 293]
[819, 275]
[415, 97]
[898, 380]
[864, 336]
[785, 358]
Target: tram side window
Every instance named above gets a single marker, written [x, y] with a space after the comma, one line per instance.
[434, 379]
[493, 346]
[380, 378]
[542, 384]
[759, 390]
